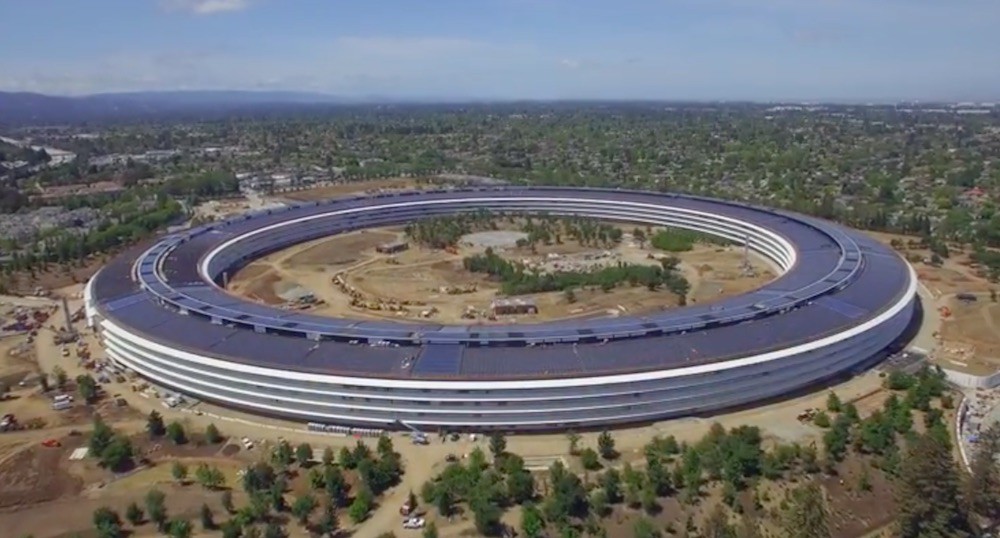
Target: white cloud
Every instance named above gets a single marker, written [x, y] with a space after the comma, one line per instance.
[410, 46]
[570, 63]
[205, 7]
[348, 65]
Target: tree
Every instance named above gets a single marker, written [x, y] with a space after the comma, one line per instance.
[282, 455]
[134, 514]
[179, 471]
[346, 458]
[806, 516]
[606, 445]
[520, 485]
[589, 459]
[156, 508]
[599, 502]
[647, 497]
[118, 455]
[611, 484]
[209, 476]
[574, 442]
[485, 514]
[328, 457]
[212, 435]
[443, 502]
[431, 531]
[227, 501]
[532, 523]
[277, 494]
[303, 454]
[258, 477]
[179, 528]
[207, 518]
[154, 425]
[86, 387]
[328, 522]
[498, 445]
[927, 491]
[107, 522]
[385, 448]
[567, 497]
[336, 485]
[100, 438]
[303, 507]
[176, 433]
[361, 505]
[833, 403]
[60, 377]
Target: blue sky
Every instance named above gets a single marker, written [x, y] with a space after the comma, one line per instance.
[510, 49]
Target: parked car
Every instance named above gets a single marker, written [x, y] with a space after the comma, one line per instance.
[414, 523]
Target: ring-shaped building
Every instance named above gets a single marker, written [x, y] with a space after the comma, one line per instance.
[841, 301]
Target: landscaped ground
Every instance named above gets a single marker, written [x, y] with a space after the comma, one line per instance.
[421, 283]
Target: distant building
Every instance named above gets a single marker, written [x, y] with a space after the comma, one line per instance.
[509, 307]
[392, 248]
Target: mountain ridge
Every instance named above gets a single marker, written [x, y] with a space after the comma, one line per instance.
[32, 108]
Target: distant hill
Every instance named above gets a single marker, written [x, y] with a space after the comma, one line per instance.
[33, 108]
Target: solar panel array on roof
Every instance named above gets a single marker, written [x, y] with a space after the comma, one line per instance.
[266, 316]
[439, 360]
[793, 289]
[847, 309]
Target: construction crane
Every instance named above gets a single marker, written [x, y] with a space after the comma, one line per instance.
[418, 437]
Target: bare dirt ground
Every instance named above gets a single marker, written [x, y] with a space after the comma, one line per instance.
[79, 496]
[54, 277]
[421, 283]
[968, 339]
[971, 335]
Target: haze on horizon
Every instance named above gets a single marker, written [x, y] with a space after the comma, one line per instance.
[759, 50]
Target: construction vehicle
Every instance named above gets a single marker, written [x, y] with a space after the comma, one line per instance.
[418, 437]
[406, 509]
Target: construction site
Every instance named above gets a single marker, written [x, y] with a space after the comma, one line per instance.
[377, 274]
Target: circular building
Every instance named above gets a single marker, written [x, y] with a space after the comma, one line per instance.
[840, 302]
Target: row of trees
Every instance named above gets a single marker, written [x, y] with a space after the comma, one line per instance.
[445, 232]
[679, 240]
[562, 501]
[516, 279]
[266, 486]
[933, 499]
[585, 231]
[881, 434]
